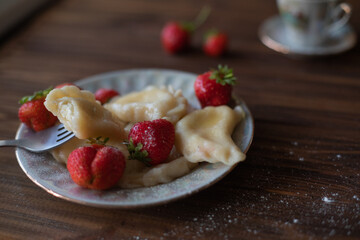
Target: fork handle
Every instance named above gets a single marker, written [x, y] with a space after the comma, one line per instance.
[10, 143]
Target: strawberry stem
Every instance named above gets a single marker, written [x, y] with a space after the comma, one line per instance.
[202, 16]
[210, 33]
[98, 141]
[136, 153]
[199, 20]
[223, 75]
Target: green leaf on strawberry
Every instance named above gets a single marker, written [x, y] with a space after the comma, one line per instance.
[37, 95]
[210, 33]
[188, 26]
[136, 153]
[223, 75]
[98, 141]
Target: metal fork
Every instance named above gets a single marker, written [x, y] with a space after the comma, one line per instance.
[40, 141]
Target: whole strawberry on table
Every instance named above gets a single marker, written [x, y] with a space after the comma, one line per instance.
[214, 88]
[215, 43]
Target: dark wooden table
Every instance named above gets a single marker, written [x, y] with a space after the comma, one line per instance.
[301, 179]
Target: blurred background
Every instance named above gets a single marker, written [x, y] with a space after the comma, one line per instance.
[306, 113]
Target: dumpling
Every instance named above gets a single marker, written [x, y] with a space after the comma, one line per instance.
[137, 175]
[150, 104]
[82, 114]
[62, 152]
[205, 135]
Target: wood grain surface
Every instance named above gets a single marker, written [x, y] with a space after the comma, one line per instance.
[301, 179]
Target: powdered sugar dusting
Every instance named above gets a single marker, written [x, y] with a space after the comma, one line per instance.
[328, 200]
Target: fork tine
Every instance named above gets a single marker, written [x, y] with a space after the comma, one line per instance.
[65, 137]
[61, 127]
[62, 133]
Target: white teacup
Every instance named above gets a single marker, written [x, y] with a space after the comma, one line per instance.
[311, 22]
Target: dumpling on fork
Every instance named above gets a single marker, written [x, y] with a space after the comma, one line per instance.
[150, 104]
[205, 135]
[82, 114]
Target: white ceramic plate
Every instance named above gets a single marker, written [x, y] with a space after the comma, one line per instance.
[52, 176]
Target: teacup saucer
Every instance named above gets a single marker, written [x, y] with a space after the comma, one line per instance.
[272, 34]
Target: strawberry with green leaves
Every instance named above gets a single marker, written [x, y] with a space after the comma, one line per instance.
[33, 112]
[215, 43]
[214, 87]
[151, 141]
[96, 166]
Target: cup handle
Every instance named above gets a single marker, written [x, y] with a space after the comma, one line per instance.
[344, 8]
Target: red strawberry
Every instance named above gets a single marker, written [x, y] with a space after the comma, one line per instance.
[96, 167]
[215, 43]
[65, 84]
[214, 88]
[175, 37]
[151, 141]
[33, 112]
[104, 95]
